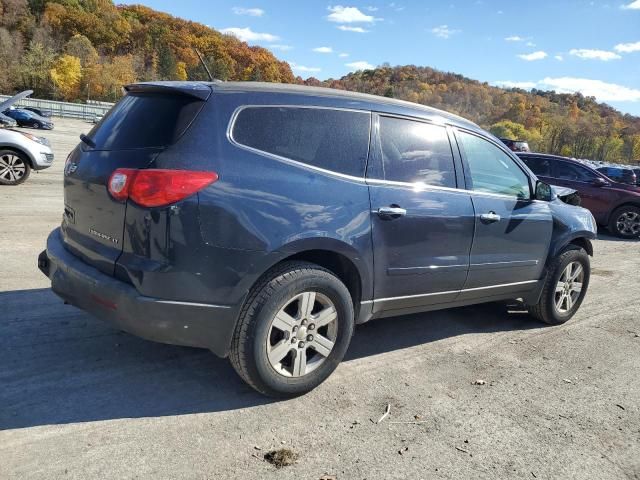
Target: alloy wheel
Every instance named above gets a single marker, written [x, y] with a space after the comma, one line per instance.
[12, 168]
[569, 287]
[628, 224]
[302, 334]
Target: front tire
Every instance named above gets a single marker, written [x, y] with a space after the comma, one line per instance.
[36, 125]
[625, 222]
[564, 289]
[293, 330]
[14, 168]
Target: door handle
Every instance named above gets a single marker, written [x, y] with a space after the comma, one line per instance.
[490, 217]
[392, 211]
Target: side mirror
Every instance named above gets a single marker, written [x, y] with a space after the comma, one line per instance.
[543, 192]
[599, 182]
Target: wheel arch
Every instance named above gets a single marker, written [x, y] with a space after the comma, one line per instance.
[339, 258]
[18, 150]
[626, 203]
[577, 240]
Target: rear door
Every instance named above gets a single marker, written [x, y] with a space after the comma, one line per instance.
[422, 223]
[512, 230]
[131, 135]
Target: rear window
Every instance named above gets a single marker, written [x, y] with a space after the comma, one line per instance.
[145, 120]
[336, 140]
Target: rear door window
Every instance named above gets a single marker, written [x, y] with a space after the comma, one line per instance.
[416, 152]
[331, 139]
[144, 121]
[573, 172]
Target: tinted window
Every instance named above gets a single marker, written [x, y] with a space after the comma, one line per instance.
[141, 121]
[335, 140]
[539, 166]
[416, 152]
[574, 172]
[491, 169]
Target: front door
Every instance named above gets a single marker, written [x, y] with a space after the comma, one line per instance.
[422, 223]
[512, 230]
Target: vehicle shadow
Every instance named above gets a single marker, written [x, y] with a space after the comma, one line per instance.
[61, 365]
[603, 234]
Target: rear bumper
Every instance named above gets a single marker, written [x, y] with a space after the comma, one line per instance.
[116, 302]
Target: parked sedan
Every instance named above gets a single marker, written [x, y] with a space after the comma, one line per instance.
[39, 111]
[26, 118]
[614, 205]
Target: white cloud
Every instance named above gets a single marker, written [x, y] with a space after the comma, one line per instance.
[302, 68]
[514, 38]
[323, 50]
[627, 47]
[443, 31]
[559, 57]
[632, 6]
[282, 48]
[361, 65]
[252, 12]
[604, 92]
[372, 9]
[248, 35]
[510, 84]
[340, 14]
[530, 44]
[588, 54]
[346, 28]
[343, 55]
[529, 57]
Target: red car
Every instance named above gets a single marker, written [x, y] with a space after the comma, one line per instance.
[614, 205]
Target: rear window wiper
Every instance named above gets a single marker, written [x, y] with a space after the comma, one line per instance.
[87, 140]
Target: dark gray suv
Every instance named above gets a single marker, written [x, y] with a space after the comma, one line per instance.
[264, 221]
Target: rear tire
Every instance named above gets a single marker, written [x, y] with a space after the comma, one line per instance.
[293, 330]
[14, 168]
[564, 289]
[625, 222]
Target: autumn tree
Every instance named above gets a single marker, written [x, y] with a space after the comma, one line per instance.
[34, 68]
[66, 73]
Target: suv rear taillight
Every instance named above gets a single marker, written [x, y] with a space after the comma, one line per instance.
[157, 188]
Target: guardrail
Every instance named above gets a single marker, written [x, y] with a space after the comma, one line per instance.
[65, 109]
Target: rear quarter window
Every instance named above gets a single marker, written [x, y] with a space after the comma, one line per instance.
[144, 121]
[331, 139]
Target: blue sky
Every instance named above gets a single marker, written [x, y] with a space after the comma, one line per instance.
[572, 45]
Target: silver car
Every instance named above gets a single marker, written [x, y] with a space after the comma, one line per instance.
[21, 152]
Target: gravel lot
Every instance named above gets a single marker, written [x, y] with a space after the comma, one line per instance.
[79, 399]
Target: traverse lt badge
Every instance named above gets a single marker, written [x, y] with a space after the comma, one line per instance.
[104, 236]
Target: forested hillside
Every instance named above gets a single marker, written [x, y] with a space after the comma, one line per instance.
[572, 125]
[73, 49]
[78, 49]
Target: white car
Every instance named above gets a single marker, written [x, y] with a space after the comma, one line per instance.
[21, 152]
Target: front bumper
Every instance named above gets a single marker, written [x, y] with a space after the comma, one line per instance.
[116, 302]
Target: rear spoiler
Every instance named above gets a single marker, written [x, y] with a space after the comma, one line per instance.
[198, 90]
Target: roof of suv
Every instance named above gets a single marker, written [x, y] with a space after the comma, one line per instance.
[375, 102]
